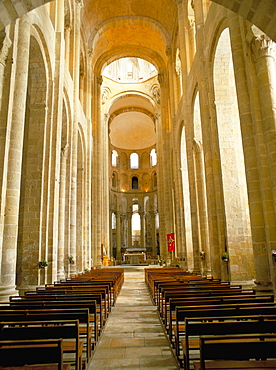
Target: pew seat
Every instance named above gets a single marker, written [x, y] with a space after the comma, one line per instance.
[238, 347]
[46, 354]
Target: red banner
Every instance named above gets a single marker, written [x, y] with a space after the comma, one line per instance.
[171, 242]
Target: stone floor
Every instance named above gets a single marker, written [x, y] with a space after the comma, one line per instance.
[133, 337]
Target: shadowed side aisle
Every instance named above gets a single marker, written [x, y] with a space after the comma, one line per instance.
[133, 337]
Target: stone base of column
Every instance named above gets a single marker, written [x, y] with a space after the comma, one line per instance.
[24, 288]
[263, 286]
[6, 291]
[60, 275]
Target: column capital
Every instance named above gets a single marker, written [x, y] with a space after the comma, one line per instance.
[262, 46]
[79, 3]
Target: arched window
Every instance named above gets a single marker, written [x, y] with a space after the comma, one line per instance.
[114, 158]
[153, 157]
[134, 182]
[134, 161]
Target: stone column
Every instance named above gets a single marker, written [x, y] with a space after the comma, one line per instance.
[182, 27]
[97, 173]
[161, 184]
[61, 230]
[67, 32]
[202, 200]
[89, 161]
[129, 229]
[118, 236]
[74, 151]
[124, 244]
[55, 148]
[210, 143]
[153, 233]
[172, 84]
[10, 232]
[165, 167]
[180, 226]
[251, 140]
[142, 221]
[105, 181]
[264, 55]
[3, 125]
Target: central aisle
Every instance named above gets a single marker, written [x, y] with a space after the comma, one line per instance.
[133, 337]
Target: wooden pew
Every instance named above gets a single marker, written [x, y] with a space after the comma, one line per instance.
[25, 354]
[244, 351]
[216, 311]
[92, 305]
[212, 300]
[166, 294]
[196, 327]
[79, 287]
[199, 284]
[162, 288]
[166, 308]
[72, 297]
[114, 277]
[41, 315]
[31, 330]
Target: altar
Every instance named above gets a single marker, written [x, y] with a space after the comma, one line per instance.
[134, 258]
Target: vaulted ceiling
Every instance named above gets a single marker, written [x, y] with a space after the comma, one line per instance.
[99, 12]
[137, 28]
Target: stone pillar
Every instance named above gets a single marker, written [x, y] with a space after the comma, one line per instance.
[89, 261]
[264, 55]
[82, 78]
[251, 139]
[105, 181]
[61, 230]
[3, 124]
[97, 174]
[55, 147]
[124, 243]
[214, 191]
[182, 26]
[202, 200]
[129, 229]
[142, 221]
[10, 232]
[165, 167]
[153, 233]
[74, 151]
[180, 226]
[67, 32]
[118, 236]
[172, 84]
